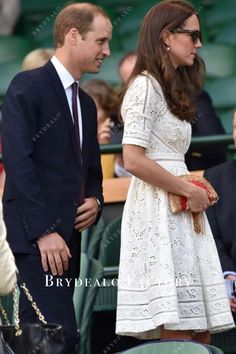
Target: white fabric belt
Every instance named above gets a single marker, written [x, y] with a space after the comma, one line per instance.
[166, 156]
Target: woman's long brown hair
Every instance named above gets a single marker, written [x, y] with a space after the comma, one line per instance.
[179, 85]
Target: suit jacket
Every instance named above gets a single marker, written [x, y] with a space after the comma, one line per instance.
[222, 216]
[206, 123]
[43, 169]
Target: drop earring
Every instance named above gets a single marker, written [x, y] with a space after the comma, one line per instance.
[168, 48]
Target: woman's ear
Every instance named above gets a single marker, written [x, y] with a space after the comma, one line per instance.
[166, 38]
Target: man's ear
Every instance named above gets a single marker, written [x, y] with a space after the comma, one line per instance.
[73, 35]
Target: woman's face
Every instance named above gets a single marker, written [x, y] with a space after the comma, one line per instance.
[234, 128]
[183, 46]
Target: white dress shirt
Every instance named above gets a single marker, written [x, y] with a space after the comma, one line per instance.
[67, 80]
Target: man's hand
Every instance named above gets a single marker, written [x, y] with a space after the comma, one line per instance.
[54, 253]
[86, 214]
[233, 300]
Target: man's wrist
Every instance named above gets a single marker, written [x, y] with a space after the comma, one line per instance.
[227, 273]
[99, 204]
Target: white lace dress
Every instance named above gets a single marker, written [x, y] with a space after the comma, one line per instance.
[168, 274]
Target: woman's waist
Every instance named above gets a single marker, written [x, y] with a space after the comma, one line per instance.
[166, 156]
[172, 162]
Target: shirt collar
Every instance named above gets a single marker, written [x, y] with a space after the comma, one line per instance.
[64, 75]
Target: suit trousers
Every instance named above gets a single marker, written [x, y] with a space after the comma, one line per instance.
[52, 294]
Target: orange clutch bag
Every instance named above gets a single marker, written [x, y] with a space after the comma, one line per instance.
[178, 203]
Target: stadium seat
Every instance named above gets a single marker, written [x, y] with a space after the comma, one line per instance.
[109, 70]
[226, 34]
[129, 41]
[40, 6]
[115, 43]
[173, 346]
[7, 72]
[109, 258]
[226, 119]
[36, 16]
[219, 59]
[104, 3]
[84, 297]
[221, 12]
[223, 92]
[43, 38]
[91, 239]
[13, 48]
[131, 22]
[109, 254]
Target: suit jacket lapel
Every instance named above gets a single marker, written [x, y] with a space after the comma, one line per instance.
[62, 99]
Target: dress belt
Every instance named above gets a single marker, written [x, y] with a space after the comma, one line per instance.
[158, 156]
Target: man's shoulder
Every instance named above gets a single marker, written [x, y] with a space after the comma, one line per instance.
[37, 73]
[221, 170]
[29, 81]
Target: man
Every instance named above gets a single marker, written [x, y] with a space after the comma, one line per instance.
[222, 215]
[205, 123]
[223, 225]
[51, 154]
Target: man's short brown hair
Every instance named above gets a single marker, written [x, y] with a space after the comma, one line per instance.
[77, 15]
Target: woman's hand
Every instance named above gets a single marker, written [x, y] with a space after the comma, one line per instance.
[104, 132]
[197, 199]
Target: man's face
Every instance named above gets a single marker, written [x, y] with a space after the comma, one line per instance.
[93, 47]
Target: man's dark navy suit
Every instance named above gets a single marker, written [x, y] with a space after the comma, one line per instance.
[44, 178]
[222, 215]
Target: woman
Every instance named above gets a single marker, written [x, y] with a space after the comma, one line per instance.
[7, 262]
[107, 103]
[170, 279]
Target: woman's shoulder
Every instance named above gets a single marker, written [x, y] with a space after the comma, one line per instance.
[146, 92]
[145, 80]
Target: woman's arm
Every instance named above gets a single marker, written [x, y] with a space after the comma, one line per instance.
[149, 171]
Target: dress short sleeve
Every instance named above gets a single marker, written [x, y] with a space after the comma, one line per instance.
[143, 103]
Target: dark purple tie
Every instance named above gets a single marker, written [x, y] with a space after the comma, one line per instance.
[74, 87]
[75, 116]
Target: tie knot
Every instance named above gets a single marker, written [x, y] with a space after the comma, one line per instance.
[74, 87]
